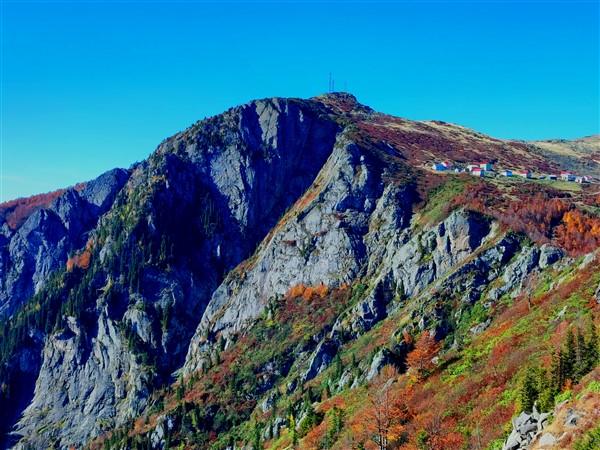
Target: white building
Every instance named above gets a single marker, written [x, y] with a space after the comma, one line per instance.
[567, 176]
[524, 173]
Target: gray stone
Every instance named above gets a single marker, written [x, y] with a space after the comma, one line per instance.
[547, 440]
[320, 359]
[572, 417]
[480, 327]
[549, 255]
[379, 361]
[268, 402]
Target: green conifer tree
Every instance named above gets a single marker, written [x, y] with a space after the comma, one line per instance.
[528, 392]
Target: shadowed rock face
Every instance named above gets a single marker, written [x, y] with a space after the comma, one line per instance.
[213, 191]
[223, 218]
[42, 243]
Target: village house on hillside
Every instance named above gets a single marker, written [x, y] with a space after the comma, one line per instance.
[567, 176]
[485, 166]
[524, 173]
[442, 166]
[478, 172]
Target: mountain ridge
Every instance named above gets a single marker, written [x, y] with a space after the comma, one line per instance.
[244, 214]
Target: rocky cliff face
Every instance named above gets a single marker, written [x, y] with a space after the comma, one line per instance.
[43, 242]
[209, 235]
[207, 196]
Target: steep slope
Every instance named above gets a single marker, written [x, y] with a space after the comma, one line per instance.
[253, 249]
[331, 344]
[35, 240]
[186, 216]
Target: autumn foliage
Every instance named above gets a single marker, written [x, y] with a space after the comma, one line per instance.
[544, 216]
[578, 232]
[382, 423]
[15, 212]
[420, 359]
[81, 259]
[307, 292]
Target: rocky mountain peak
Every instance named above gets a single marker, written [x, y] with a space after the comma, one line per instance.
[270, 258]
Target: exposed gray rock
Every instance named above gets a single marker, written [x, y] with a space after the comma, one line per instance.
[516, 272]
[526, 427]
[572, 417]
[346, 380]
[382, 358]
[246, 167]
[547, 440]
[321, 244]
[165, 425]
[277, 425]
[320, 359]
[268, 402]
[587, 260]
[549, 255]
[43, 242]
[480, 327]
[427, 257]
[366, 313]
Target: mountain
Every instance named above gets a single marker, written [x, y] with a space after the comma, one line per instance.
[578, 155]
[270, 275]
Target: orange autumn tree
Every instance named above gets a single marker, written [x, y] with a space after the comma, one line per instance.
[578, 233]
[420, 359]
[383, 421]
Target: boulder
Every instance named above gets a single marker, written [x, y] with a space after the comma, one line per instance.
[480, 327]
[526, 426]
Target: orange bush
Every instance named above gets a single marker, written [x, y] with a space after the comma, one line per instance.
[296, 291]
[307, 292]
[81, 260]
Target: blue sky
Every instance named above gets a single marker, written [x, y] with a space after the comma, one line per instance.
[87, 86]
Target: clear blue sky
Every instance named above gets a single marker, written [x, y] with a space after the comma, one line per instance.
[87, 86]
